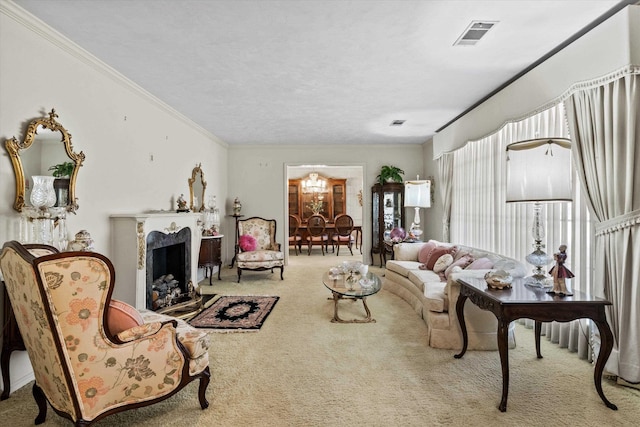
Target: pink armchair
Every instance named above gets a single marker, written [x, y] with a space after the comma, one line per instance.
[82, 368]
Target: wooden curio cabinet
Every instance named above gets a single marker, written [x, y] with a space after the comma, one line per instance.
[333, 202]
[387, 212]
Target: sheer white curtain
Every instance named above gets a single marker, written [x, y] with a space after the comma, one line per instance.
[605, 123]
[481, 218]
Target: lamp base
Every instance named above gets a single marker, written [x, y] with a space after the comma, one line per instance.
[538, 281]
[416, 233]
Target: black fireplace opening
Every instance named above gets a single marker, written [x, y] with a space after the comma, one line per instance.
[168, 268]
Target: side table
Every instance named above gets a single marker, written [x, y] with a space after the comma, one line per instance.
[235, 246]
[11, 341]
[521, 301]
[210, 255]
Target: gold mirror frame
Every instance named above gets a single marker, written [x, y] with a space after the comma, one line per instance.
[14, 146]
[192, 191]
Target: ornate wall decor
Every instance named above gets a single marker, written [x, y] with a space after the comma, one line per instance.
[142, 246]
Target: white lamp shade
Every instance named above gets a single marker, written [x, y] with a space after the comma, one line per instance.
[417, 194]
[539, 170]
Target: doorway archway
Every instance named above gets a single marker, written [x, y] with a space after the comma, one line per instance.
[354, 190]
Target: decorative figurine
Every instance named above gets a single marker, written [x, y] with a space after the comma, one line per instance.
[237, 206]
[83, 242]
[182, 204]
[559, 273]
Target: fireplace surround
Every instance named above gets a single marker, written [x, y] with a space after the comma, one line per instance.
[135, 238]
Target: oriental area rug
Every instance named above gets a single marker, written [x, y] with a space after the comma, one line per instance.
[236, 313]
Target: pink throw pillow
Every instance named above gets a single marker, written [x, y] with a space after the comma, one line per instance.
[437, 253]
[121, 316]
[480, 264]
[425, 251]
[247, 243]
[461, 262]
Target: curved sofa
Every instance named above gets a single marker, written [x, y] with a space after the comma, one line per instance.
[433, 296]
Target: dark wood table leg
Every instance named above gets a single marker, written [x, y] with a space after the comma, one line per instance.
[538, 330]
[503, 348]
[4, 362]
[463, 325]
[606, 345]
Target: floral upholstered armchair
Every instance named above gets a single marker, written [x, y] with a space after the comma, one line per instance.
[257, 246]
[93, 356]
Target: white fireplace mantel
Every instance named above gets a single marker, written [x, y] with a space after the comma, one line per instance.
[128, 243]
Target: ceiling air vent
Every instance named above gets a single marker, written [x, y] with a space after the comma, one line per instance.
[474, 32]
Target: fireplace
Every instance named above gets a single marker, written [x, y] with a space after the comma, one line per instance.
[151, 245]
[168, 266]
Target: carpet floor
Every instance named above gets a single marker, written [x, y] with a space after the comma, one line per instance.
[303, 370]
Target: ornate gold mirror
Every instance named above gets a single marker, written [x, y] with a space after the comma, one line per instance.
[197, 187]
[46, 150]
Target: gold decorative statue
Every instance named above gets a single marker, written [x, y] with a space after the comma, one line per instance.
[560, 273]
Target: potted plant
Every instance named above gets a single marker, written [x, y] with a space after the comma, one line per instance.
[390, 174]
[62, 170]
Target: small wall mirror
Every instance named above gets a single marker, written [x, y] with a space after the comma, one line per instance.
[197, 187]
[46, 150]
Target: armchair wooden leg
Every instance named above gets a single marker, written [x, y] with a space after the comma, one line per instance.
[202, 389]
[239, 274]
[281, 273]
[41, 401]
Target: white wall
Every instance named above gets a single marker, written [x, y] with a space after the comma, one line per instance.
[607, 48]
[116, 124]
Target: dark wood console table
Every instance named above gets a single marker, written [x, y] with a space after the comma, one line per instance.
[210, 255]
[11, 341]
[522, 301]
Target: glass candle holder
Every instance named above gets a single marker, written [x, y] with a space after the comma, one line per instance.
[43, 195]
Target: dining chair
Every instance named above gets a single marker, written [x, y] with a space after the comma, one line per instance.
[316, 226]
[343, 234]
[295, 238]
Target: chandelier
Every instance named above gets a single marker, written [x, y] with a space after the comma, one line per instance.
[314, 184]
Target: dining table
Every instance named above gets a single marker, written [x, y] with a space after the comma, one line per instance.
[330, 229]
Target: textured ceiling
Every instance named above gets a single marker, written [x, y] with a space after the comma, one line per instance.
[317, 72]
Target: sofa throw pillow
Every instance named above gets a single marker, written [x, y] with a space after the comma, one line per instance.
[461, 263]
[247, 243]
[442, 263]
[480, 264]
[461, 252]
[437, 253]
[121, 316]
[425, 251]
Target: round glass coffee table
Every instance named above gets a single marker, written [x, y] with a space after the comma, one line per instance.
[356, 287]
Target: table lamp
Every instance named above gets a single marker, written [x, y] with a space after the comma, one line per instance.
[539, 171]
[417, 194]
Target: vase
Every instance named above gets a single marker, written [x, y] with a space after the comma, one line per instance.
[43, 195]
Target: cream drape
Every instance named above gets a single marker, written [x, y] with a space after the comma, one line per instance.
[445, 177]
[605, 128]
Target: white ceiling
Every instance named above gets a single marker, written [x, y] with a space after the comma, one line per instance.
[317, 72]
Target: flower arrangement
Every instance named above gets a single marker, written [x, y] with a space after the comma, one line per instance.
[315, 206]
